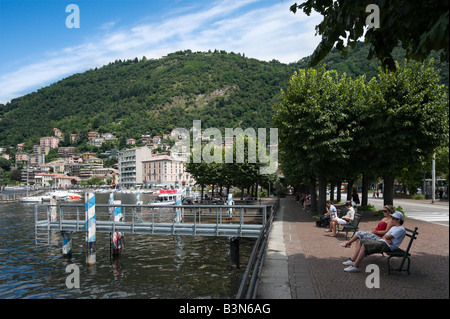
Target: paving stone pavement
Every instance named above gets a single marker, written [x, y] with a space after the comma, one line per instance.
[314, 262]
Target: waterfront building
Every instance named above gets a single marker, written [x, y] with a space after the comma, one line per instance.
[130, 166]
[165, 171]
[55, 180]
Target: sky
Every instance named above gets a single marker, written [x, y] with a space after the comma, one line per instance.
[39, 46]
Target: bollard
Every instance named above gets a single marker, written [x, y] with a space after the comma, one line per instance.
[234, 252]
[90, 228]
[67, 243]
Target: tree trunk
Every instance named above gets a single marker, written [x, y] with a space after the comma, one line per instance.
[312, 190]
[388, 190]
[365, 190]
[338, 194]
[322, 195]
[332, 192]
[349, 190]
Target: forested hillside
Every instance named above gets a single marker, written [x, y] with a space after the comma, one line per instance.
[142, 96]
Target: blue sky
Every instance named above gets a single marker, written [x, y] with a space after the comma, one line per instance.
[37, 48]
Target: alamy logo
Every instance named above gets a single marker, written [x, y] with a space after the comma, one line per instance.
[219, 150]
[373, 19]
[73, 19]
[373, 279]
[73, 280]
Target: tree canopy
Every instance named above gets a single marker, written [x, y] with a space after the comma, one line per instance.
[420, 27]
[333, 128]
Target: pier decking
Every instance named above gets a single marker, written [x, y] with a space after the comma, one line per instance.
[193, 220]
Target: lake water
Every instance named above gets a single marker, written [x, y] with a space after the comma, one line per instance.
[151, 266]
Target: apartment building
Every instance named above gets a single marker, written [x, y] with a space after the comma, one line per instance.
[163, 170]
[51, 142]
[130, 166]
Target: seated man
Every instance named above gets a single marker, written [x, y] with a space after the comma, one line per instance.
[331, 210]
[331, 213]
[390, 241]
[349, 216]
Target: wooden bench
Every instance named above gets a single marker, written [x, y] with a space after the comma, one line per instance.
[400, 253]
[353, 226]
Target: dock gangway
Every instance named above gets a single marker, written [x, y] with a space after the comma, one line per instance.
[194, 220]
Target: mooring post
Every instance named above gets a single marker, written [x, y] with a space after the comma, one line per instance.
[53, 209]
[178, 210]
[234, 252]
[229, 203]
[116, 216]
[138, 197]
[90, 228]
[67, 243]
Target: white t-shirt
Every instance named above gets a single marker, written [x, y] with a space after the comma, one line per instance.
[333, 211]
[350, 213]
[399, 234]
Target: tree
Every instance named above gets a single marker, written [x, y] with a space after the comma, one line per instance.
[408, 120]
[5, 164]
[317, 123]
[419, 26]
[16, 175]
[335, 128]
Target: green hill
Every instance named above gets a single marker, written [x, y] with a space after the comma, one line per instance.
[135, 97]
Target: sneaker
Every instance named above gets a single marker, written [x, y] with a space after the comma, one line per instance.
[349, 262]
[351, 269]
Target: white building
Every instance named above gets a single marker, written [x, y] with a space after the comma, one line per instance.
[130, 166]
[55, 180]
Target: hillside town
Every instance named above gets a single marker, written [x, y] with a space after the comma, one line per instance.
[143, 163]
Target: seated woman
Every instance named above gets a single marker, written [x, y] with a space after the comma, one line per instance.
[390, 241]
[342, 221]
[382, 228]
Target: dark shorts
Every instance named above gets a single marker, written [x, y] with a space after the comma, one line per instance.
[374, 246]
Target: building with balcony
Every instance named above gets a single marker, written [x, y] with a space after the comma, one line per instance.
[165, 171]
[51, 142]
[130, 166]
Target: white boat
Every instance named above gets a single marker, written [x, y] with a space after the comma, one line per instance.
[35, 199]
[15, 188]
[66, 196]
[167, 197]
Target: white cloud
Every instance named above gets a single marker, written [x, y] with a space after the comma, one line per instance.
[264, 33]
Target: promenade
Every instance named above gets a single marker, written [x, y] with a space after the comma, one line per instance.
[302, 262]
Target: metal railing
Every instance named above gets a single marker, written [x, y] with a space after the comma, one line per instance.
[197, 220]
[252, 274]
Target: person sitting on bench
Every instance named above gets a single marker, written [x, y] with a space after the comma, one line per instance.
[342, 221]
[382, 228]
[390, 241]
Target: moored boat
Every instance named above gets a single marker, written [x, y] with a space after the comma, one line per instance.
[35, 199]
[169, 197]
[65, 196]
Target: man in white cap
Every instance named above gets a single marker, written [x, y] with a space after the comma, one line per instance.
[390, 241]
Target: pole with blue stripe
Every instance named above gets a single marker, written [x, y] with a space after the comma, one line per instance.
[53, 209]
[230, 202]
[178, 210]
[116, 215]
[138, 197]
[90, 228]
[67, 243]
